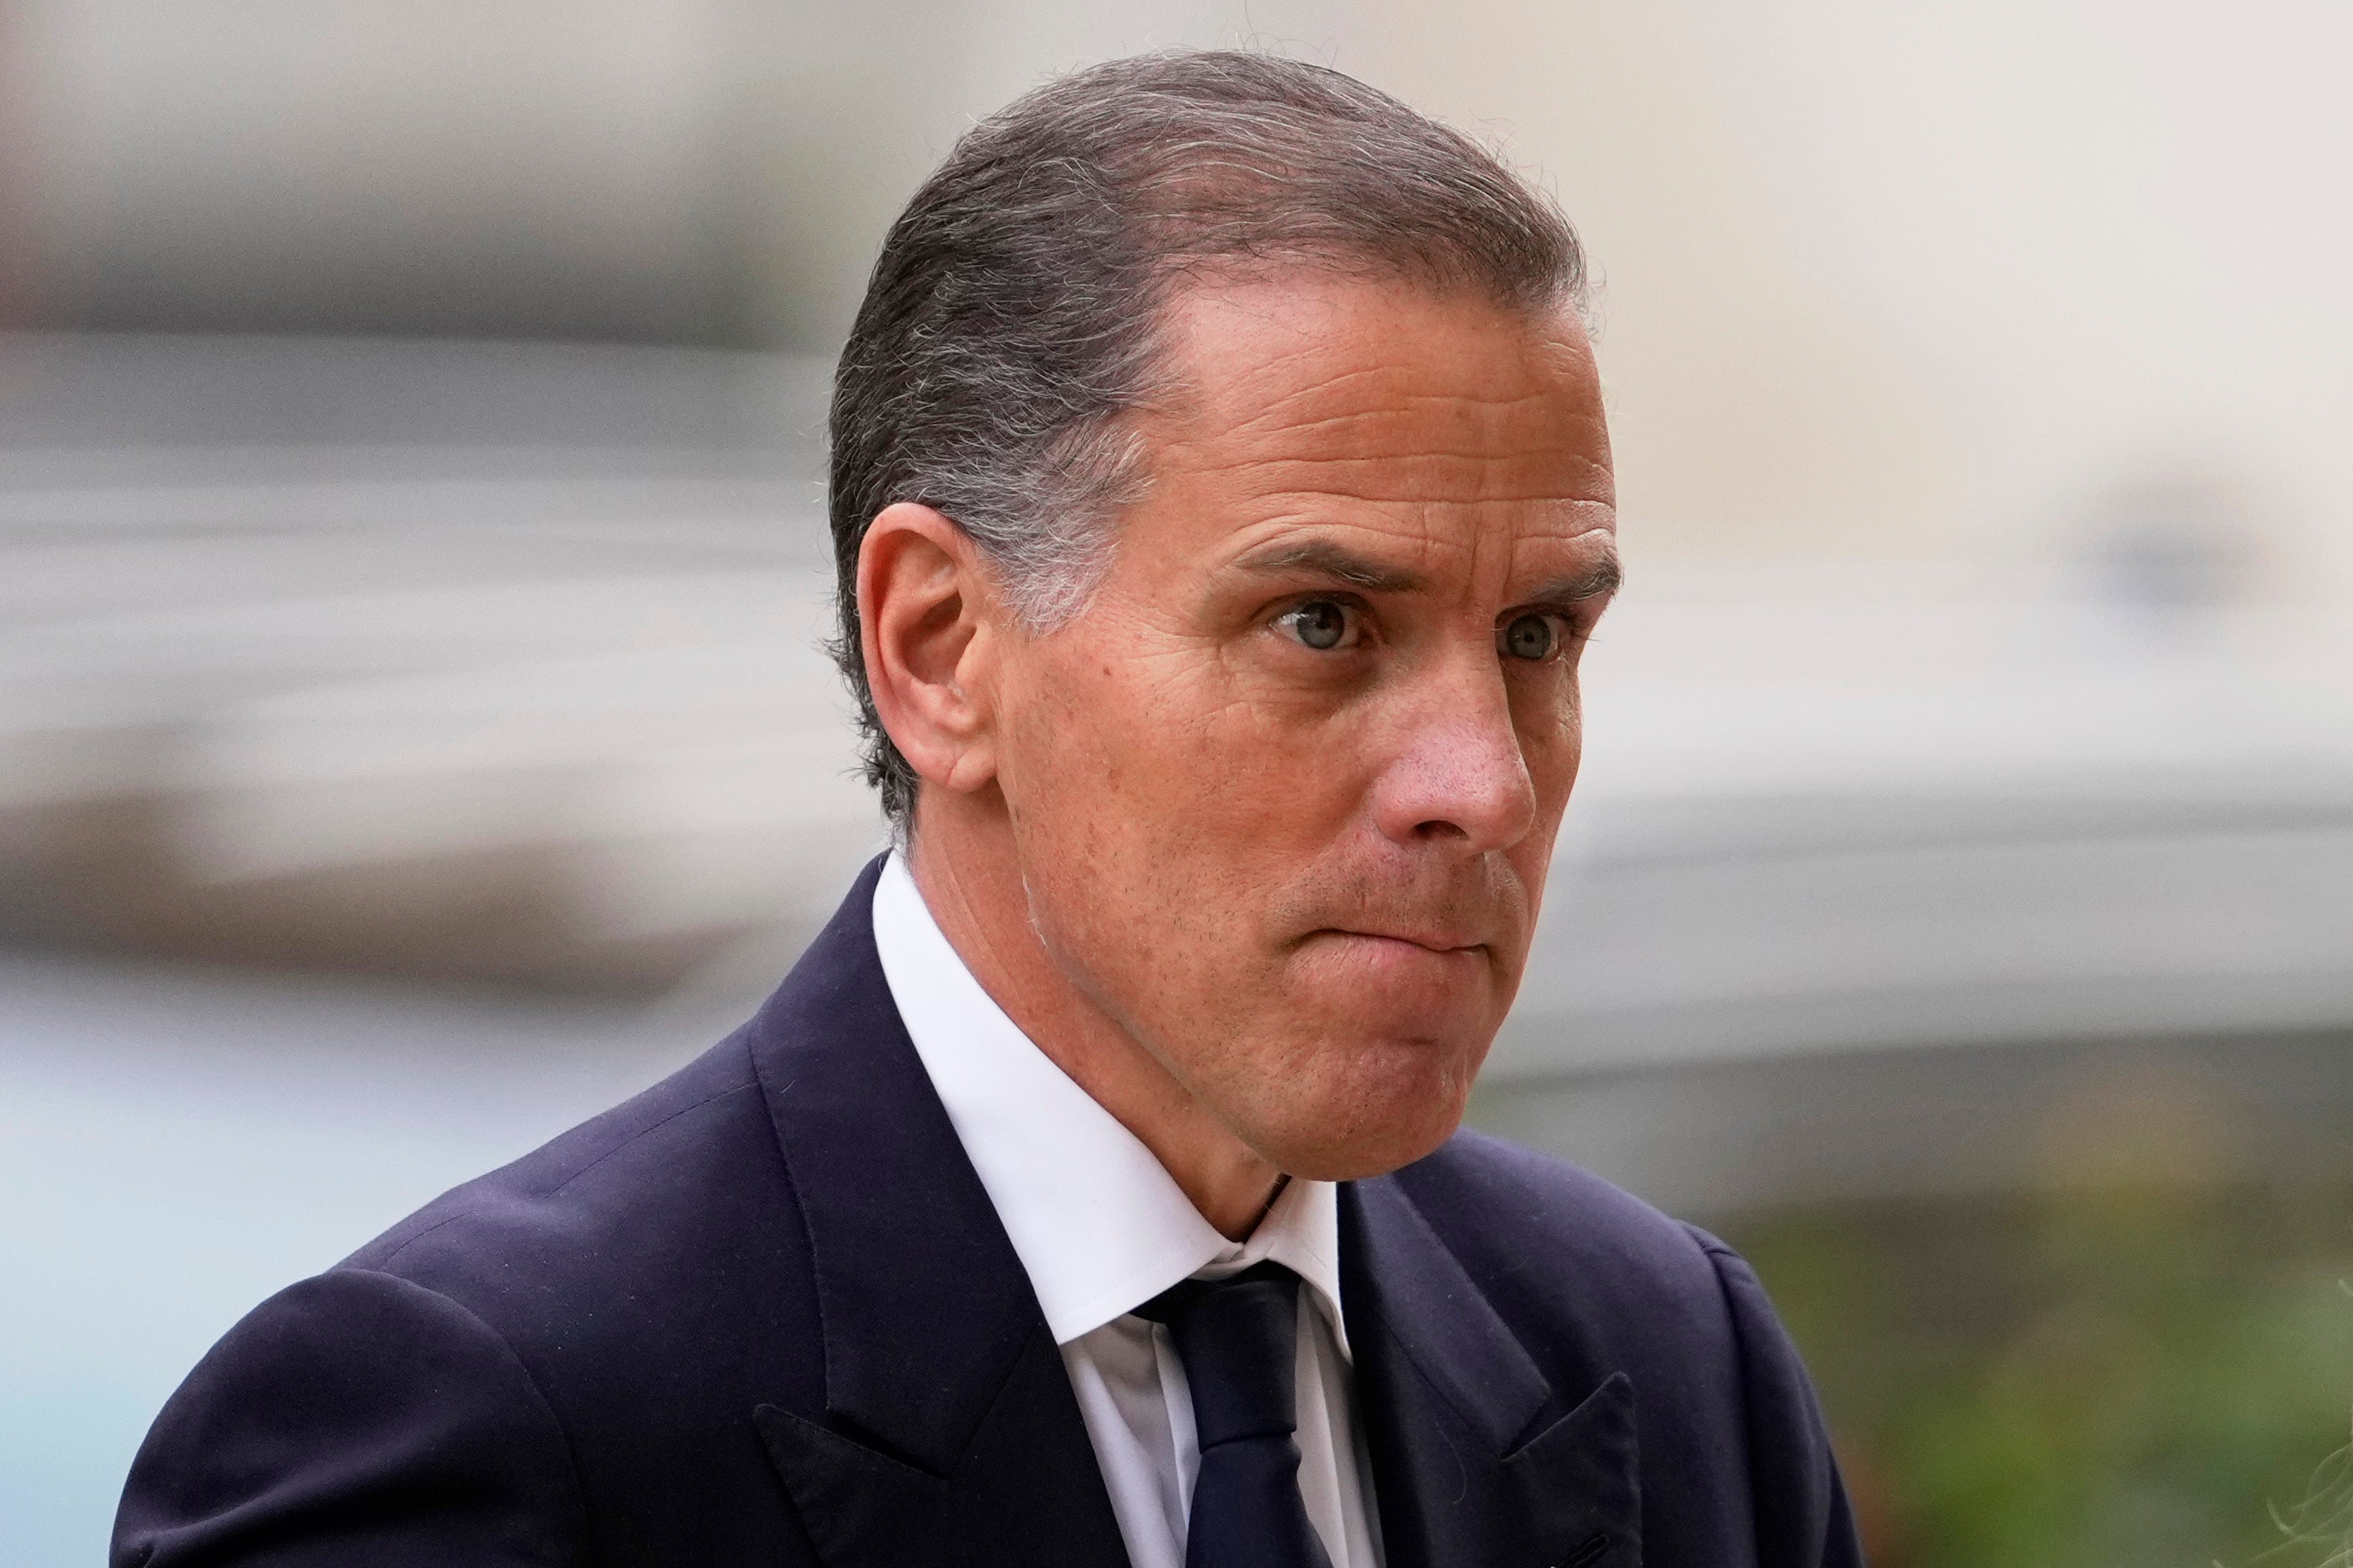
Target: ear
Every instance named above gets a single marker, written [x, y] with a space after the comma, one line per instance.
[926, 616]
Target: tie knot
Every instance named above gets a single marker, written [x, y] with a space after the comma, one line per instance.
[1237, 1338]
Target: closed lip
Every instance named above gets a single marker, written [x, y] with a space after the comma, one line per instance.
[1434, 942]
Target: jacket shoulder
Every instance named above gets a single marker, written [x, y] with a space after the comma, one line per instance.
[594, 1171]
[354, 1417]
[600, 1318]
[1512, 1214]
[645, 1267]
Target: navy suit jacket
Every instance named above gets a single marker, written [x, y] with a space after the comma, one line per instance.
[764, 1316]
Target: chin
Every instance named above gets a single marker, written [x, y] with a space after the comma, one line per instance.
[1387, 1106]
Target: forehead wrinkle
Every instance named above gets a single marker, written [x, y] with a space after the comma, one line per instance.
[1426, 455]
[1494, 433]
[1369, 435]
[1382, 403]
[1308, 340]
[1560, 519]
[1372, 437]
[1392, 536]
[1383, 538]
[1454, 424]
[1430, 479]
[1455, 450]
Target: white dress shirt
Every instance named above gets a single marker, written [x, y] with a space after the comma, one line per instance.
[1101, 1228]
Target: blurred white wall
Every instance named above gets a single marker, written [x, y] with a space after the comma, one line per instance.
[1883, 277]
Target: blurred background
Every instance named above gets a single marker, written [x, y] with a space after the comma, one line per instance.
[413, 735]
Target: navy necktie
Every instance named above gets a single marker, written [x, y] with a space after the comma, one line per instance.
[1237, 1337]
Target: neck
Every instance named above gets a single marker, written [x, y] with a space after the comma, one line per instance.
[965, 862]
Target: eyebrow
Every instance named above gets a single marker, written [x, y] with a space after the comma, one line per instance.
[1326, 559]
[1598, 581]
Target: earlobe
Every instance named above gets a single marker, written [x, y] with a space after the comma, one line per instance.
[924, 614]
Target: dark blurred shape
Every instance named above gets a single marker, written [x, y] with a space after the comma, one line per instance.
[2170, 549]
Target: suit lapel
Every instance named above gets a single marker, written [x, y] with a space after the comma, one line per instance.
[949, 1432]
[1475, 1461]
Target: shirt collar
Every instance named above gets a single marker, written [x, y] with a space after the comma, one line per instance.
[1099, 1225]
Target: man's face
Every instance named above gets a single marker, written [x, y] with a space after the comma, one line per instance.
[1284, 793]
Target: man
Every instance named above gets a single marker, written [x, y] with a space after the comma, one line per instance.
[1221, 498]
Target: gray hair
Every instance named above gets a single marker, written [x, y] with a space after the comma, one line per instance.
[1011, 325]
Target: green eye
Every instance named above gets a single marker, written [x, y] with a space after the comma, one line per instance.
[1529, 637]
[1319, 623]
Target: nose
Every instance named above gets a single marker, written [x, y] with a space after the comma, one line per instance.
[1459, 778]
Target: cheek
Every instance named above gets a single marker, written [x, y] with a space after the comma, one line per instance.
[1545, 713]
[1552, 748]
[1167, 745]
[1553, 759]
[1156, 810]
[1106, 740]
[1111, 777]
